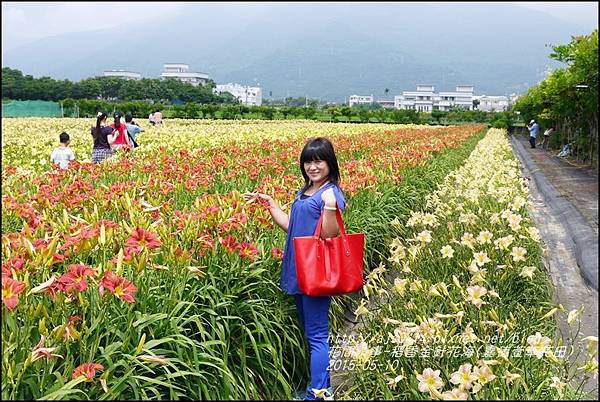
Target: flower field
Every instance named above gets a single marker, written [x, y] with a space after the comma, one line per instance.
[18, 149]
[148, 277]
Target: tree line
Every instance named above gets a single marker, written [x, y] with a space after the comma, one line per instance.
[331, 113]
[183, 100]
[15, 85]
[567, 99]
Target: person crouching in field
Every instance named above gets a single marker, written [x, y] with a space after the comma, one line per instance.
[158, 119]
[320, 194]
[132, 130]
[63, 154]
[104, 136]
[122, 140]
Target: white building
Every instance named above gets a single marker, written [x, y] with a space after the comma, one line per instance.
[420, 100]
[360, 100]
[182, 73]
[386, 104]
[251, 96]
[425, 99]
[128, 75]
[492, 103]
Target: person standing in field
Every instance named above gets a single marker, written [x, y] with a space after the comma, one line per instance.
[104, 136]
[321, 194]
[151, 119]
[547, 138]
[534, 129]
[122, 140]
[63, 154]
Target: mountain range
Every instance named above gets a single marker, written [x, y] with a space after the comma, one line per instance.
[320, 50]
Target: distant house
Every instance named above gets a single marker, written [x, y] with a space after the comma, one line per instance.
[127, 75]
[182, 73]
[425, 99]
[387, 104]
[492, 103]
[251, 96]
[360, 100]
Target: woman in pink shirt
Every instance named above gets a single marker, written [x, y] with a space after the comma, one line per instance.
[122, 140]
[157, 117]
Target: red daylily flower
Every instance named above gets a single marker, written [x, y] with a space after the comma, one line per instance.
[229, 243]
[88, 370]
[58, 258]
[277, 253]
[6, 272]
[142, 239]
[75, 278]
[119, 286]
[88, 232]
[15, 263]
[40, 244]
[247, 250]
[10, 292]
[108, 224]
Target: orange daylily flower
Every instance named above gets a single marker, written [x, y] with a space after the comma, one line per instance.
[88, 370]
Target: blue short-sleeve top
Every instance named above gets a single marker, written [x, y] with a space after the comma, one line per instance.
[304, 216]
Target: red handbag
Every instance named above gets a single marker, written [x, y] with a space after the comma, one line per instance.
[328, 267]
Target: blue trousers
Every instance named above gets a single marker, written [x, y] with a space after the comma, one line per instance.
[313, 313]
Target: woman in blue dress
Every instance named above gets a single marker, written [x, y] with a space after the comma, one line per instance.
[320, 194]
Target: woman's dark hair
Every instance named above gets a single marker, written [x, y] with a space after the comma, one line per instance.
[117, 117]
[319, 149]
[99, 118]
[64, 137]
[128, 118]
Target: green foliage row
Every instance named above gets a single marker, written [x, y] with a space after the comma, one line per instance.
[191, 110]
[567, 99]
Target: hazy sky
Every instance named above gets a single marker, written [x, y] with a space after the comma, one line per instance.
[24, 22]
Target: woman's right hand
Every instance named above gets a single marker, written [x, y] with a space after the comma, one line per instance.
[279, 217]
[248, 196]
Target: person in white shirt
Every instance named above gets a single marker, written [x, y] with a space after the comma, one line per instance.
[547, 137]
[63, 154]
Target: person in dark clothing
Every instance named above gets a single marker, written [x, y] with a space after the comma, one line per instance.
[104, 136]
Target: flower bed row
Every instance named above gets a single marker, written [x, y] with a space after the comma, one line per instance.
[462, 307]
[175, 134]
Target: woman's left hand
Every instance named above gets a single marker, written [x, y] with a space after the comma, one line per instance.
[328, 197]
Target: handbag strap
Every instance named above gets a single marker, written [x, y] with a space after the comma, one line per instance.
[340, 221]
